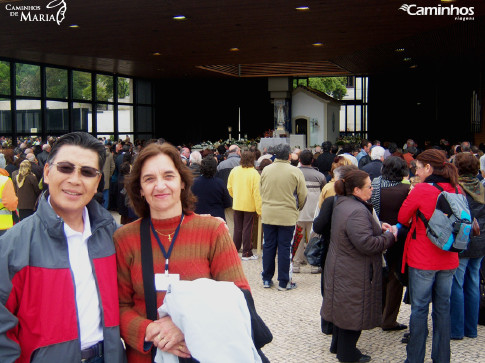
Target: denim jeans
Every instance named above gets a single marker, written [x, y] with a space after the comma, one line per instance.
[277, 238]
[427, 286]
[106, 198]
[465, 298]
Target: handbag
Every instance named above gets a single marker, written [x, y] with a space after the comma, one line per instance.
[315, 250]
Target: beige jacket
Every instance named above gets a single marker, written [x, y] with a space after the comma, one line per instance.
[283, 193]
[108, 169]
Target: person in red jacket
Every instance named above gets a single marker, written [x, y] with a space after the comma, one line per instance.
[430, 268]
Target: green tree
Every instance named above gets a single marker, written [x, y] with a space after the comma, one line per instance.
[4, 78]
[104, 87]
[333, 86]
[81, 82]
[123, 87]
[56, 83]
[27, 80]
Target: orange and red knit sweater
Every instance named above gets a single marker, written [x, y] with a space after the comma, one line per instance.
[203, 248]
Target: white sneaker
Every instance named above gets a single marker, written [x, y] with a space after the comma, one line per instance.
[253, 257]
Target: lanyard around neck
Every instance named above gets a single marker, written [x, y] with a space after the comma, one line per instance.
[167, 254]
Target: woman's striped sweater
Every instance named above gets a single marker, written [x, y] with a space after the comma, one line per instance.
[203, 248]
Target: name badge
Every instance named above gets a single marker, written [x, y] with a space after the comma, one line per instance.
[162, 281]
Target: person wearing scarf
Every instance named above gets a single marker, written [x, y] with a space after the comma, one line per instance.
[27, 189]
[465, 291]
[388, 194]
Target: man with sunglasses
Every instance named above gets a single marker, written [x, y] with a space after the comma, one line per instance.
[58, 288]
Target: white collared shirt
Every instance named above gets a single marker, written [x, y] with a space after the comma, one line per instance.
[87, 300]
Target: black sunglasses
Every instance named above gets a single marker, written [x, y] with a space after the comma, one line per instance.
[66, 167]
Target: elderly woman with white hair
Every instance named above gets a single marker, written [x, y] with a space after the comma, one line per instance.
[374, 168]
[195, 160]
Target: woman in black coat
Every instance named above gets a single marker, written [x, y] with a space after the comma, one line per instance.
[211, 192]
[388, 194]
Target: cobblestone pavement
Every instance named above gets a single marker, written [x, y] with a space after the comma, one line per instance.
[293, 317]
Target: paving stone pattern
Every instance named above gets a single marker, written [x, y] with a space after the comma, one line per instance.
[294, 319]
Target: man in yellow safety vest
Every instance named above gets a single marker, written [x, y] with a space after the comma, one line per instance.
[8, 198]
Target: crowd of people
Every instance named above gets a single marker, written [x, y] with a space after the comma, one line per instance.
[198, 211]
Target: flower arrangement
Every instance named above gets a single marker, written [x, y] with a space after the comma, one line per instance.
[346, 139]
[269, 133]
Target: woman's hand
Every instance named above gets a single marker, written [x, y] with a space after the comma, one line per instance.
[386, 227]
[167, 337]
[394, 231]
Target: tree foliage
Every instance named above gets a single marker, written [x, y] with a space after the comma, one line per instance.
[56, 83]
[27, 83]
[332, 86]
[4, 78]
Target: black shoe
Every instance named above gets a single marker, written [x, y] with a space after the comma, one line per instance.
[396, 327]
[363, 358]
[405, 338]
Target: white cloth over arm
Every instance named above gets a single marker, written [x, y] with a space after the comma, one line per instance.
[215, 320]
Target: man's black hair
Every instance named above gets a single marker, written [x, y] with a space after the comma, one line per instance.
[326, 146]
[208, 166]
[221, 149]
[394, 169]
[81, 139]
[348, 148]
[306, 157]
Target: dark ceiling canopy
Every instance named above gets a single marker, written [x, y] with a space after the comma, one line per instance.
[244, 37]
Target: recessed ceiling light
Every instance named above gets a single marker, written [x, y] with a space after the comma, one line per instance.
[407, 59]
[400, 50]
[302, 8]
[234, 49]
[317, 44]
[74, 26]
[156, 53]
[179, 17]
